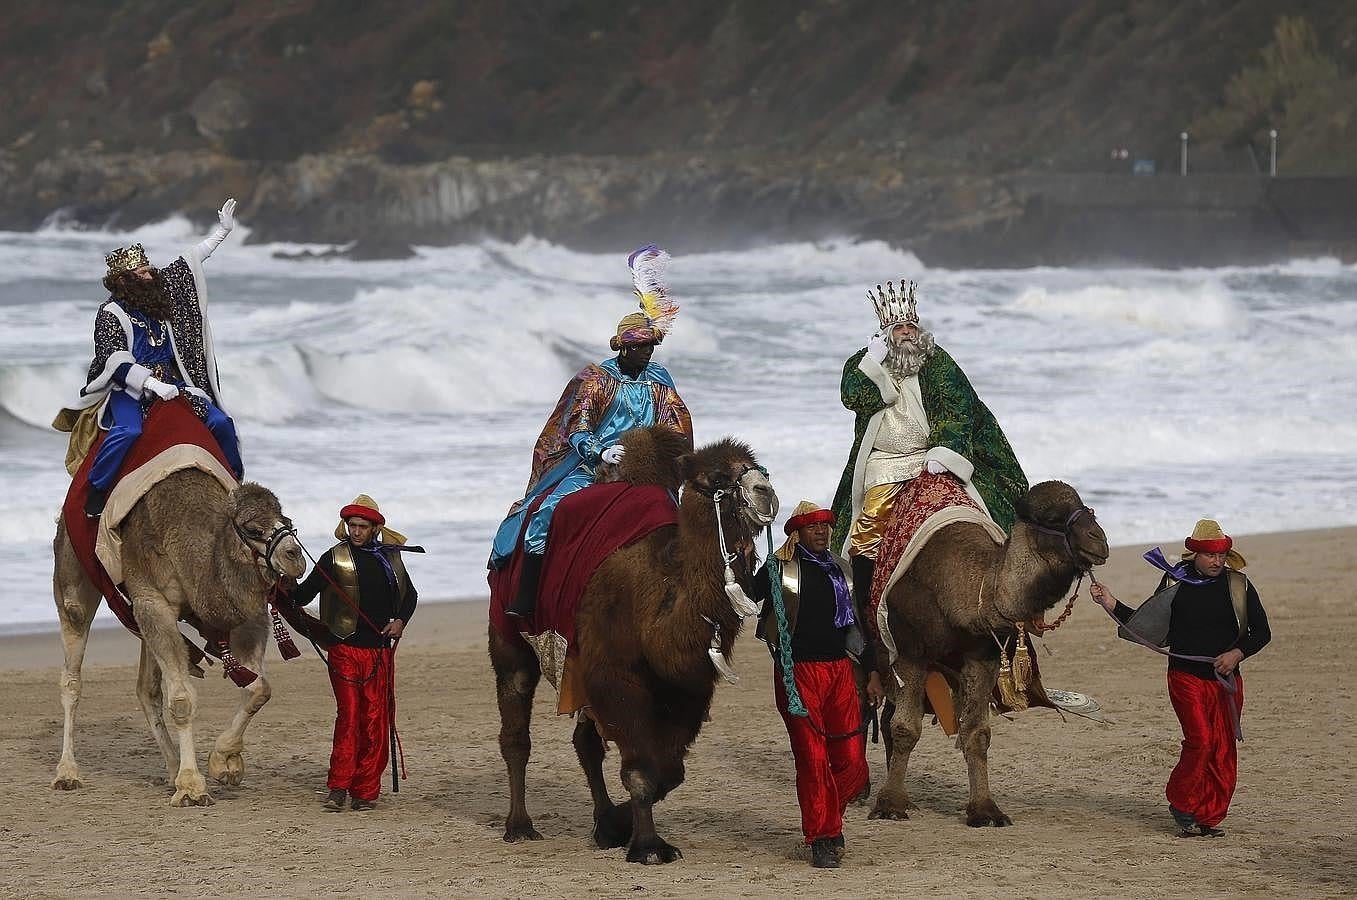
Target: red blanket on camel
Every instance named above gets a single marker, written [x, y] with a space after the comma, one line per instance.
[166, 425]
[586, 528]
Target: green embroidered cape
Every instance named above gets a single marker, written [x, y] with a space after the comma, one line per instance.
[957, 420]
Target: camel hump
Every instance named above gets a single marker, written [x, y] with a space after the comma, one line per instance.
[653, 456]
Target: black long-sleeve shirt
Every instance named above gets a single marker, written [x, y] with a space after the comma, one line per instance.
[815, 639]
[1202, 623]
[378, 600]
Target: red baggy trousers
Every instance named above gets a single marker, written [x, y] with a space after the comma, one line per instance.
[1204, 780]
[830, 770]
[361, 678]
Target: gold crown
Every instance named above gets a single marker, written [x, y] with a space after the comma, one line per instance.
[125, 260]
[892, 308]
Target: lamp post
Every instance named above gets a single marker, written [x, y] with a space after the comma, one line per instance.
[1183, 165]
[1272, 162]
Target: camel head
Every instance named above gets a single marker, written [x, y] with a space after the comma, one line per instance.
[268, 536]
[1063, 524]
[728, 468]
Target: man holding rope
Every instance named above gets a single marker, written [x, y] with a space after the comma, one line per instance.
[1207, 613]
[366, 601]
[826, 632]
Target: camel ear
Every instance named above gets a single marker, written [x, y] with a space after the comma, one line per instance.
[1023, 508]
[687, 466]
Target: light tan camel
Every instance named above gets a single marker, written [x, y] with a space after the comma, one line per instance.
[959, 594]
[643, 628]
[189, 548]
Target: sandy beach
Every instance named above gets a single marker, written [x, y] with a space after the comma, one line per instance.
[1086, 800]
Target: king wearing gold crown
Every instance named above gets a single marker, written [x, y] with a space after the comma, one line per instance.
[152, 342]
[915, 412]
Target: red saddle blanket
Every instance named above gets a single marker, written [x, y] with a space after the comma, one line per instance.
[167, 425]
[587, 527]
[918, 501]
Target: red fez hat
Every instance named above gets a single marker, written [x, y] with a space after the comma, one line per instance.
[807, 513]
[362, 512]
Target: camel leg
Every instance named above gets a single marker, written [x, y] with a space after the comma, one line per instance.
[160, 632]
[77, 600]
[153, 706]
[905, 726]
[612, 821]
[652, 756]
[516, 675]
[977, 687]
[226, 762]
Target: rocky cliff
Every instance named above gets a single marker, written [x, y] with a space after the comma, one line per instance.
[592, 122]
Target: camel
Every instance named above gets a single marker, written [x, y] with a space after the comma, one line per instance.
[960, 593]
[189, 549]
[643, 629]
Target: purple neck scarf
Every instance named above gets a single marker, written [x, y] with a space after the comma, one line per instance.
[1184, 571]
[843, 600]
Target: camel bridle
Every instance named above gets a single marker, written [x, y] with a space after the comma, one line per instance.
[1065, 533]
[264, 548]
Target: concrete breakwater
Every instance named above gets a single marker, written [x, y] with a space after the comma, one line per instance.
[697, 203]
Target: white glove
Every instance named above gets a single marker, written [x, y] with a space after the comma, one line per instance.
[878, 347]
[227, 217]
[936, 468]
[613, 455]
[227, 214]
[160, 389]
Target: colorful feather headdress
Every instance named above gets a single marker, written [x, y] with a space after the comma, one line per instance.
[647, 266]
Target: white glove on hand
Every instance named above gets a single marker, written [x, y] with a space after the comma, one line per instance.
[613, 455]
[227, 214]
[936, 468]
[160, 389]
[878, 347]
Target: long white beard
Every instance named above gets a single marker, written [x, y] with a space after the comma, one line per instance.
[908, 355]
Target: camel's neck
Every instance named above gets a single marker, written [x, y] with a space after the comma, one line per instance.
[231, 590]
[700, 556]
[1028, 579]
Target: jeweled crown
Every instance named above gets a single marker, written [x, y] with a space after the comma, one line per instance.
[893, 308]
[126, 259]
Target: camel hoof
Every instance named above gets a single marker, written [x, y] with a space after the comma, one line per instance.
[890, 815]
[66, 783]
[978, 815]
[893, 809]
[226, 768]
[184, 798]
[657, 853]
[513, 834]
[613, 828]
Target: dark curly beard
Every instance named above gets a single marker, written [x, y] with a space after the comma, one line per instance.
[149, 297]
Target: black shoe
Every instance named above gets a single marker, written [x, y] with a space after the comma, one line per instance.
[529, 578]
[823, 854]
[863, 569]
[335, 802]
[837, 844]
[94, 501]
[1185, 820]
[360, 805]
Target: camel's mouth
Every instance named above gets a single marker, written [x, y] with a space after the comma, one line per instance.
[1093, 550]
[760, 500]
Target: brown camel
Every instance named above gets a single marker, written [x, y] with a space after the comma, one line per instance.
[643, 629]
[959, 594]
[189, 549]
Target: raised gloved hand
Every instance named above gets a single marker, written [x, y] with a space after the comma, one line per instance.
[613, 455]
[160, 389]
[877, 347]
[227, 214]
[937, 468]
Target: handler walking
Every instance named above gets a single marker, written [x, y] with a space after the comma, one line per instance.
[375, 605]
[1207, 612]
[827, 636]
